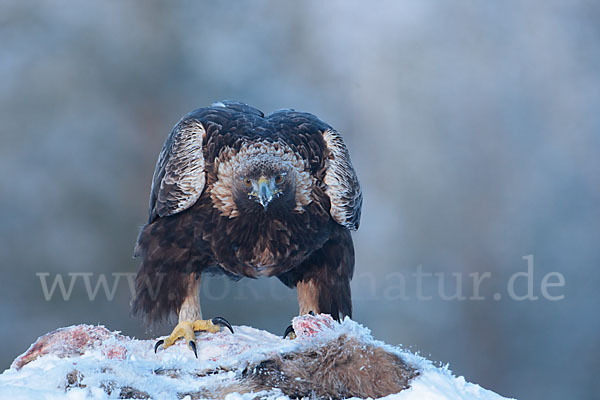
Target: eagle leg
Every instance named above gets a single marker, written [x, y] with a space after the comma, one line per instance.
[188, 329]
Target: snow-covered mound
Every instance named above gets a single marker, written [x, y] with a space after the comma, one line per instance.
[327, 359]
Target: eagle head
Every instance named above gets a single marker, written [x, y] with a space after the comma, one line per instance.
[265, 185]
[261, 178]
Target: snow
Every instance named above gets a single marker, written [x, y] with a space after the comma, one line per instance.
[83, 362]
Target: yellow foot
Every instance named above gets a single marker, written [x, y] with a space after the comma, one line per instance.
[187, 329]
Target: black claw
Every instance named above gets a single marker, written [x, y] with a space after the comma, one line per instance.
[157, 345]
[288, 330]
[222, 322]
[193, 346]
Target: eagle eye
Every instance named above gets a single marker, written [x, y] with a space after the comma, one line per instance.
[247, 182]
[278, 178]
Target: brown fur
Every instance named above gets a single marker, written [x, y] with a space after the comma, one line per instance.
[342, 368]
[339, 369]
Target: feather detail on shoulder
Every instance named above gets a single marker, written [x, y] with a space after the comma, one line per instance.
[343, 188]
[179, 177]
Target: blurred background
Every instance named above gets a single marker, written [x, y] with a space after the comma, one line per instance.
[474, 127]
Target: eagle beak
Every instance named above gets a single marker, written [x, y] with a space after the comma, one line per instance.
[265, 195]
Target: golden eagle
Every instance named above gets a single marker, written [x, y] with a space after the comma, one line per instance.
[248, 195]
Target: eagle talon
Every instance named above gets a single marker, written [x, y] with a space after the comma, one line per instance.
[222, 322]
[290, 331]
[157, 345]
[192, 344]
[188, 329]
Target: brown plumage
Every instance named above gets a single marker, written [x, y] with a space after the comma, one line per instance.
[249, 195]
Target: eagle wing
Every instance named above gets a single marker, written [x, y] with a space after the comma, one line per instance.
[179, 176]
[342, 184]
[324, 149]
